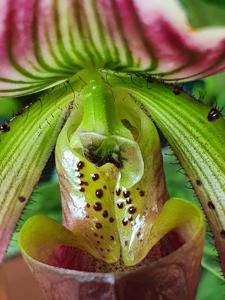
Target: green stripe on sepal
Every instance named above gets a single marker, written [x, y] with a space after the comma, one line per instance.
[196, 137]
[25, 146]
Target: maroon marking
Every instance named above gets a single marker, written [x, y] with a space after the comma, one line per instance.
[99, 193]
[80, 165]
[105, 214]
[142, 193]
[95, 177]
[97, 206]
[111, 220]
[177, 90]
[126, 194]
[84, 183]
[222, 233]
[198, 182]
[118, 192]
[214, 114]
[105, 187]
[95, 234]
[130, 218]
[211, 205]
[125, 221]
[88, 205]
[132, 210]
[102, 237]
[98, 225]
[82, 190]
[128, 200]
[111, 237]
[5, 127]
[21, 199]
[81, 175]
[120, 205]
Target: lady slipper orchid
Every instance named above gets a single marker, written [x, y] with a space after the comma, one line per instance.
[104, 65]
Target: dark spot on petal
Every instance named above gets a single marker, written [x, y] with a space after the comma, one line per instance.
[177, 90]
[198, 182]
[129, 200]
[111, 237]
[21, 199]
[120, 205]
[98, 242]
[95, 234]
[98, 225]
[125, 221]
[211, 205]
[88, 205]
[125, 243]
[126, 194]
[80, 165]
[84, 183]
[137, 188]
[99, 193]
[130, 218]
[222, 233]
[105, 214]
[97, 206]
[111, 220]
[80, 175]
[105, 187]
[101, 249]
[118, 192]
[132, 210]
[108, 250]
[102, 237]
[142, 193]
[5, 127]
[82, 190]
[95, 177]
[214, 114]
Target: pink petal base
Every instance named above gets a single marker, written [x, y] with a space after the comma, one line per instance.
[174, 276]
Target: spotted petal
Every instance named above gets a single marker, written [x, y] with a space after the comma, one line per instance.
[43, 42]
[26, 144]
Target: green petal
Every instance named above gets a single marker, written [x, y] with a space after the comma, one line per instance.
[197, 138]
[25, 148]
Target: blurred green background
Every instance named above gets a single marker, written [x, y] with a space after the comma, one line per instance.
[46, 197]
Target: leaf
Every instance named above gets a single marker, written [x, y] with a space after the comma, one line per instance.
[44, 42]
[203, 13]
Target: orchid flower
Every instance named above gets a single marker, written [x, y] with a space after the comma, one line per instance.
[105, 69]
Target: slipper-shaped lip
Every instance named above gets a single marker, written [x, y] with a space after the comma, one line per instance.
[174, 276]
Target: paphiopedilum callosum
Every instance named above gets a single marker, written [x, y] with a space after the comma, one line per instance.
[102, 63]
